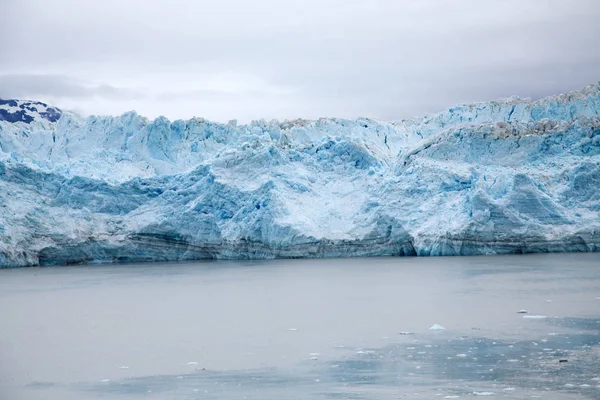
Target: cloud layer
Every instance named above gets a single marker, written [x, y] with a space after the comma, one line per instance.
[386, 59]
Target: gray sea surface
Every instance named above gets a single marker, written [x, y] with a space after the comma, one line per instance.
[515, 327]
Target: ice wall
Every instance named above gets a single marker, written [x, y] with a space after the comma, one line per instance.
[510, 176]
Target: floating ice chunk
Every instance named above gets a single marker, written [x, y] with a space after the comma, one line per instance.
[406, 333]
[293, 329]
[315, 354]
[123, 367]
[461, 355]
[522, 311]
[509, 389]
[436, 327]
[105, 380]
[451, 397]
[585, 385]
[192, 363]
[483, 393]
[534, 316]
[314, 358]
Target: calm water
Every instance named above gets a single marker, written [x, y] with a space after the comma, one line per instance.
[304, 329]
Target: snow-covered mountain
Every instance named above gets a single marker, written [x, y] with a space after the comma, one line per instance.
[510, 176]
[27, 111]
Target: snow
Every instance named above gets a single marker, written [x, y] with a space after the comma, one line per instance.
[27, 112]
[510, 176]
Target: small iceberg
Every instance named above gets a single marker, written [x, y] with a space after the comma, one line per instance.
[534, 316]
[522, 312]
[437, 327]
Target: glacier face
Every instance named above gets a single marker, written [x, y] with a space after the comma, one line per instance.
[511, 176]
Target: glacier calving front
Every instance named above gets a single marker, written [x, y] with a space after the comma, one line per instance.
[510, 176]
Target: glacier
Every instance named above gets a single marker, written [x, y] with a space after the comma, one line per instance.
[502, 177]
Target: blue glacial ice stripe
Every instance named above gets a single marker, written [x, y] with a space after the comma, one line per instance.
[512, 176]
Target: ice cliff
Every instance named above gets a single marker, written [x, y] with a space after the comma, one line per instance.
[510, 176]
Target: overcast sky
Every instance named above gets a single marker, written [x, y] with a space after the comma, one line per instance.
[251, 59]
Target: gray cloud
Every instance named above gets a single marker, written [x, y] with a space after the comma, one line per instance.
[236, 59]
[36, 85]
